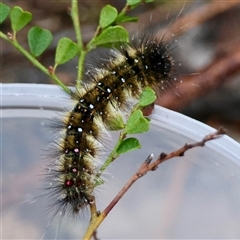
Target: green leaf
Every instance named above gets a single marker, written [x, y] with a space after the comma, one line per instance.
[133, 2]
[127, 145]
[136, 123]
[19, 18]
[66, 50]
[112, 35]
[147, 97]
[125, 18]
[4, 11]
[107, 16]
[136, 2]
[38, 40]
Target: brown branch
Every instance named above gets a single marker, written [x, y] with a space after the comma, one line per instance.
[146, 167]
[178, 153]
[195, 86]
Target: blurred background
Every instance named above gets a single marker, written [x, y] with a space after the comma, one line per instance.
[208, 42]
[196, 198]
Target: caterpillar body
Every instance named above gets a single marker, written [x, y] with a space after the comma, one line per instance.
[107, 94]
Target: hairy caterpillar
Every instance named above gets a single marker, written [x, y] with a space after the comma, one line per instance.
[108, 93]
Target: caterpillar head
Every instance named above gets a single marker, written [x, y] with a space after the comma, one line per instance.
[156, 58]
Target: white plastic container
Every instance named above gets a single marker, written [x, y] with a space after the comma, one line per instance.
[195, 196]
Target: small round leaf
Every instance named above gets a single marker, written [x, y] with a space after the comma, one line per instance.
[127, 145]
[136, 123]
[4, 11]
[19, 18]
[38, 40]
[133, 2]
[126, 18]
[66, 50]
[112, 35]
[147, 97]
[107, 16]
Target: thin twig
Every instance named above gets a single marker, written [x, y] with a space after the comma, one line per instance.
[76, 23]
[34, 61]
[180, 152]
[144, 168]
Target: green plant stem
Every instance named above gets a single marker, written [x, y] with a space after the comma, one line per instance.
[76, 23]
[93, 209]
[97, 32]
[97, 220]
[77, 28]
[94, 225]
[125, 9]
[113, 155]
[35, 62]
[81, 61]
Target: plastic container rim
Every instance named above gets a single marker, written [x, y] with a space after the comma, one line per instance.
[53, 98]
